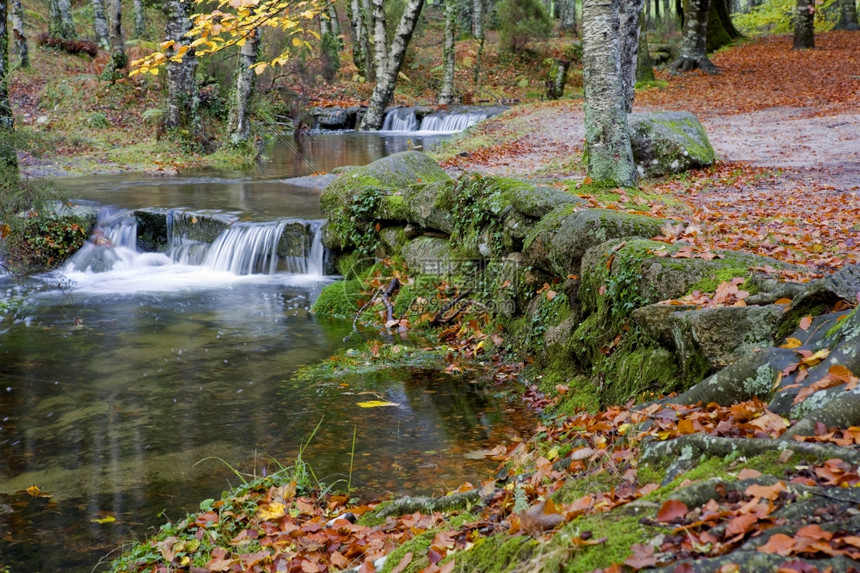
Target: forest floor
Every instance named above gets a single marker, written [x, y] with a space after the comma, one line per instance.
[784, 124]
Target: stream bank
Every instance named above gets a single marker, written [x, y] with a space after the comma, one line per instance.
[743, 464]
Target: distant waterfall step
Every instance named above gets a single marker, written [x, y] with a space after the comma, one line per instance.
[448, 120]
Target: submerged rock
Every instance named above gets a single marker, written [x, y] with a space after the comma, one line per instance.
[668, 142]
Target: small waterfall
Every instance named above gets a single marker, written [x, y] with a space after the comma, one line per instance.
[313, 263]
[114, 241]
[246, 249]
[400, 119]
[180, 248]
[442, 121]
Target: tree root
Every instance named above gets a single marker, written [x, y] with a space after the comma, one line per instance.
[688, 64]
[694, 445]
[428, 505]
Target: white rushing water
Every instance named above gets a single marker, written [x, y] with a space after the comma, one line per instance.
[110, 262]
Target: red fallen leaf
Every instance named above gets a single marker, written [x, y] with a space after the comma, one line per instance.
[403, 564]
[770, 492]
[779, 543]
[740, 524]
[747, 473]
[671, 510]
[338, 560]
[643, 556]
[683, 568]
[805, 322]
[797, 566]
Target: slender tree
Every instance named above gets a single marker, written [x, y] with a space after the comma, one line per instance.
[804, 25]
[693, 55]
[18, 32]
[380, 38]
[119, 60]
[607, 136]
[629, 13]
[335, 23]
[60, 23]
[568, 15]
[644, 63]
[447, 94]
[847, 16]
[8, 160]
[182, 98]
[361, 55]
[239, 120]
[383, 90]
[139, 19]
[100, 24]
[478, 33]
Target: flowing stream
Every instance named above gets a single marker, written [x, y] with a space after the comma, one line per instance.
[133, 382]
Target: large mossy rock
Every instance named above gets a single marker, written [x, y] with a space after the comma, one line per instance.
[429, 255]
[375, 192]
[668, 142]
[431, 206]
[560, 240]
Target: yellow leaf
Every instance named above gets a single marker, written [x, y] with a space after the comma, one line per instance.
[153, 71]
[816, 358]
[376, 404]
[260, 67]
[297, 42]
[271, 511]
[791, 343]
[108, 519]
[552, 454]
[34, 490]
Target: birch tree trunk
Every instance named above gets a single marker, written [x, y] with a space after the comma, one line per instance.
[848, 16]
[100, 24]
[446, 94]
[385, 83]
[18, 31]
[644, 63]
[334, 23]
[139, 19]
[380, 38]
[629, 12]
[60, 23]
[568, 15]
[360, 38]
[239, 120]
[478, 33]
[693, 54]
[182, 98]
[8, 159]
[804, 25]
[117, 45]
[607, 137]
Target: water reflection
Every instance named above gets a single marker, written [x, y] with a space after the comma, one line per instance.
[261, 194]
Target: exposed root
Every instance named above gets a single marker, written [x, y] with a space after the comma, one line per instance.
[688, 64]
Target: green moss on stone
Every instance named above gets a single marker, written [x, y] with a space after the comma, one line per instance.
[418, 546]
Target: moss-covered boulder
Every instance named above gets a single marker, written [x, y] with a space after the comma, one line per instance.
[429, 255]
[668, 142]
[431, 205]
[717, 335]
[560, 240]
[360, 197]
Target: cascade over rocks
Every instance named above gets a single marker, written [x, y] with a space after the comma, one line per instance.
[668, 142]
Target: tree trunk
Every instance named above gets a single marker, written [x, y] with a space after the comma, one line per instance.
[100, 24]
[607, 137]
[478, 19]
[139, 19]
[804, 25]
[568, 15]
[478, 33]
[380, 38]
[693, 53]
[446, 94]
[239, 121]
[657, 10]
[644, 63]
[721, 30]
[848, 16]
[8, 159]
[384, 88]
[334, 24]
[182, 98]
[119, 60]
[557, 78]
[60, 23]
[18, 31]
[360, 39]
[629, 12]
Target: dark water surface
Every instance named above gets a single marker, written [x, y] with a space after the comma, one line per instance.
[127, 393]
